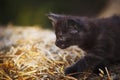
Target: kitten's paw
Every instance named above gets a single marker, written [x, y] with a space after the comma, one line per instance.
[72, 71]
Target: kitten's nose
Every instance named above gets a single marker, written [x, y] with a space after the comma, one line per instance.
[61, 39]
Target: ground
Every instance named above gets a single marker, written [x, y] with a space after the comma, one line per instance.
[29, 53]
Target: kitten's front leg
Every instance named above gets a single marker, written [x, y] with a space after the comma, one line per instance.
[74, 69]
[82, 64]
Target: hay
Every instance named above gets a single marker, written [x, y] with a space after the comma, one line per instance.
[33, 55]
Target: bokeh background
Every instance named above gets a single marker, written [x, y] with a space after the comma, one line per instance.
[33, 12]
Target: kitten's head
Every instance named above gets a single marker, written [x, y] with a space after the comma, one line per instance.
[69, 30]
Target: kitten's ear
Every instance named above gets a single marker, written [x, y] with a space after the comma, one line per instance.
[53, 17]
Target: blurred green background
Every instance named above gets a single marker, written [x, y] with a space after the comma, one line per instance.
[32, 12]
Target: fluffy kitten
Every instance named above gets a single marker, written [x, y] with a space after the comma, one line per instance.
[99, 38]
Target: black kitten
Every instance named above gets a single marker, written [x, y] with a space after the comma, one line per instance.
[99, 38]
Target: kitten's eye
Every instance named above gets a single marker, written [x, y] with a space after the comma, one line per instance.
[73, 31]
[73, 27]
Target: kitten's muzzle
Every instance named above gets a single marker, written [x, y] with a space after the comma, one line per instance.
[61, 44]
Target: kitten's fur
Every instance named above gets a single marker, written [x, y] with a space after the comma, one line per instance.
[99, 38]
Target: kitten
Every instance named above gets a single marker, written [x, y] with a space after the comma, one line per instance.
[99, 38]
